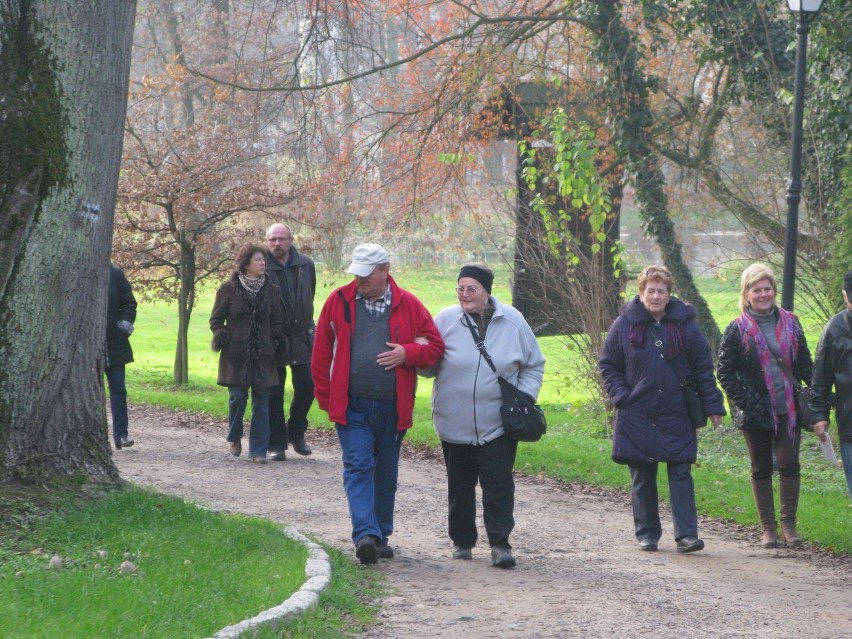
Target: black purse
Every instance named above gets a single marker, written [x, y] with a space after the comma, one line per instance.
[694, 402]
[523, 419]
[691, 387]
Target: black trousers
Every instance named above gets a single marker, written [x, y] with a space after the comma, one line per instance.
[490, 465]
[303, 396]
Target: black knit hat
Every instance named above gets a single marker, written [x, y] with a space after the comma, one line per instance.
[484, 277]
[847, 284]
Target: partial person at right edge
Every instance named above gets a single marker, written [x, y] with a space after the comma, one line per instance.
[650, 349]
[833, 367]
[121, 314]
[296, 276]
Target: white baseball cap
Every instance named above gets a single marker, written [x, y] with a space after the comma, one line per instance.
[365, 258]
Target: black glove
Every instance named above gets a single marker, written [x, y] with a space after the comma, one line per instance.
[125, 327]
[221, 339]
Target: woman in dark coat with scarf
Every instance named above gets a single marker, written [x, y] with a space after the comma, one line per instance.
[248, 331]
[649, 350]
[763, 356]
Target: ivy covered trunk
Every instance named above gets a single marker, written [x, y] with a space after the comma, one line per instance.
[627, 92]
[64, 69]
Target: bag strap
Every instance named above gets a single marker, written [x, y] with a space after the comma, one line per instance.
[480, 344]
[656, 330]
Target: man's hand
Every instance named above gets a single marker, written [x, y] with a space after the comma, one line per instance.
[392, 358]
[819, 429]
[716, 420]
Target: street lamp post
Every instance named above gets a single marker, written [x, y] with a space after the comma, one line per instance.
[803, 10]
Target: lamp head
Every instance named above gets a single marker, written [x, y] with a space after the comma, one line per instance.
[804, 6]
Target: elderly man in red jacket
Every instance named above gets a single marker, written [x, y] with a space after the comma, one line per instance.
[370, 339]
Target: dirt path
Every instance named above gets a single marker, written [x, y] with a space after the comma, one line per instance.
[579, 571]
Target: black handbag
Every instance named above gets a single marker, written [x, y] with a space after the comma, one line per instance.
[801, 396]
[694, 402]
[523, 419]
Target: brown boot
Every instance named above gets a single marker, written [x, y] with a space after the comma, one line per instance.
[789, 492]
[762, 489]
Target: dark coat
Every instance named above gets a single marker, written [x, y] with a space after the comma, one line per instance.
[254, 334]
[651, 422]
[833, 367]
[741, 376]
[297, 282]
[121, 305]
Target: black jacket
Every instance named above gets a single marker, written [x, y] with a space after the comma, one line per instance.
[121, 305]
[741, 377]
[297, 282]
[833, 367]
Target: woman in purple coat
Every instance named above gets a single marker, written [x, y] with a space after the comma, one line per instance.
[650, 349]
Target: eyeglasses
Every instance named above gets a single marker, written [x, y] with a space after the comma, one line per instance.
[470, 290]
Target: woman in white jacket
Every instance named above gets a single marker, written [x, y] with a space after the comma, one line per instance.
[466, 401]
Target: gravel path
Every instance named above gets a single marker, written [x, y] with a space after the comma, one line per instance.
[579, 571]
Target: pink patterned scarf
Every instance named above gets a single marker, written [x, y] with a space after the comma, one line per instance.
[788, 344]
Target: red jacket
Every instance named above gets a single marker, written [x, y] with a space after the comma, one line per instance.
[332, 348]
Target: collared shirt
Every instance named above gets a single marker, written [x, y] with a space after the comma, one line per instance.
[378, 305]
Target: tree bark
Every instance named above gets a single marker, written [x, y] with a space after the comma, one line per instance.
[64, 71]
[627, 90]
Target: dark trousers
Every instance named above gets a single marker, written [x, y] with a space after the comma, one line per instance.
[117, 401]
[303, 396]
[760, 445]
[645, 500]
[491, 465]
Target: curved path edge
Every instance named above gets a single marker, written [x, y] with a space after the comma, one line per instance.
[318, 572]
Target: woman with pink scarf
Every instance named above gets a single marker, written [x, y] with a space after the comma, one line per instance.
[763, 357]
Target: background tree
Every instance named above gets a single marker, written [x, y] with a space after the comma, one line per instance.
[63, 77]
[198, 158]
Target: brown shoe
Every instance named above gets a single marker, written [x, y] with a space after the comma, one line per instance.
[236, 448]
[259, 460]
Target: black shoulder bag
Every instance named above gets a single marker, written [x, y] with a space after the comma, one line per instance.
[523, 419]
[801, 395]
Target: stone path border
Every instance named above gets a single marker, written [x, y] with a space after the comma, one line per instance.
[318, 572]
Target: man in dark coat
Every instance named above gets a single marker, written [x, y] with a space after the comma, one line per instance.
[296, 277]
[121, 313]
[833, 367]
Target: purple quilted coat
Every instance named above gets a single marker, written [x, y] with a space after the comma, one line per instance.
[643, 382]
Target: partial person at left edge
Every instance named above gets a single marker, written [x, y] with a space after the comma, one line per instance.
[121, 314]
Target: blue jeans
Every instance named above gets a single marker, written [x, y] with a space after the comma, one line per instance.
[643, 496]
[259, 433]
[370, 442]
[846, 456]
[117, 401]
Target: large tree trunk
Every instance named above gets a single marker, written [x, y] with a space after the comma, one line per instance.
[64, 70]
